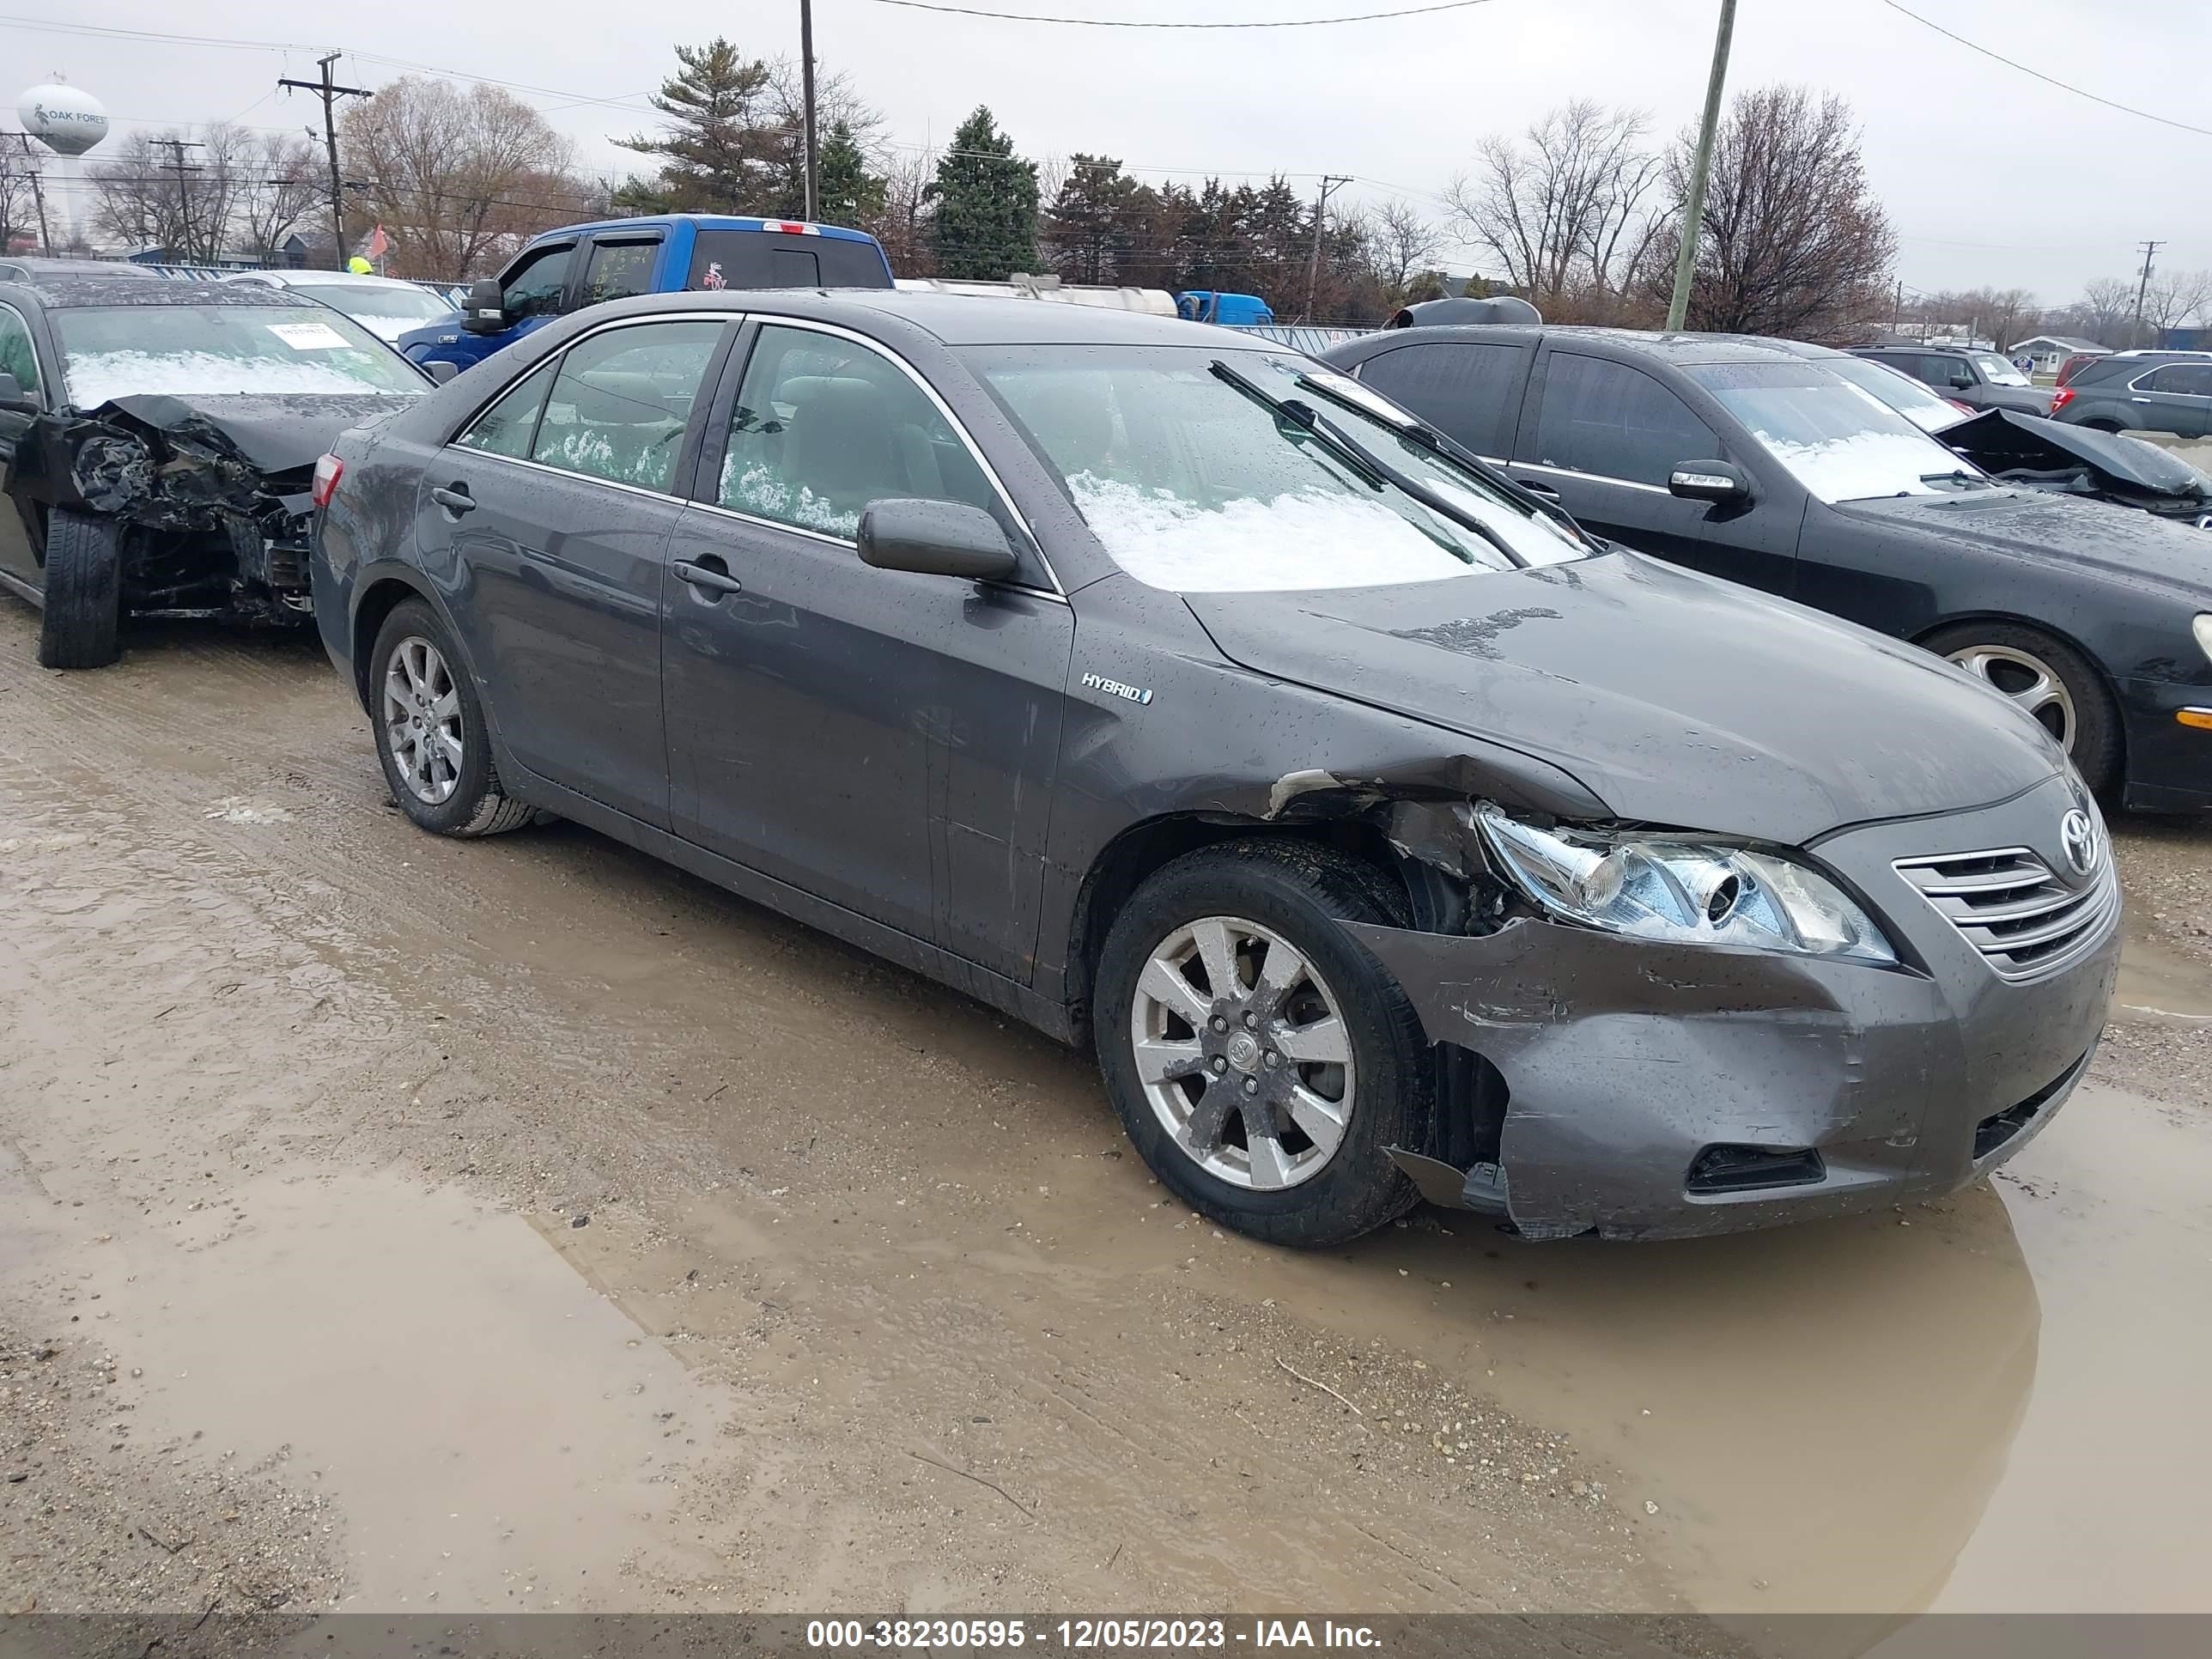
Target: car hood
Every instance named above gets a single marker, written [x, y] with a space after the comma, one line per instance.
[277, 433]
[2142, 550]
[1677, 699]
[1998, 440]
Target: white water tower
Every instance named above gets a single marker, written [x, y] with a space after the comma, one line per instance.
[68, 121]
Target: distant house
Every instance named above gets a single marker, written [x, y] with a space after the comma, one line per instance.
[2048, 351]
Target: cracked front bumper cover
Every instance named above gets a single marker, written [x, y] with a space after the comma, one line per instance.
[1624, 1059]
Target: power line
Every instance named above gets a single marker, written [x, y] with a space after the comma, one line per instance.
[2048, 79]
[330, 92]
[1137, 23]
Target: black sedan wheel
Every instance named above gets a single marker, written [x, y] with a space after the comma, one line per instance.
[430, 729]
[1259, 1058]
[2051, 681]
[81, 617]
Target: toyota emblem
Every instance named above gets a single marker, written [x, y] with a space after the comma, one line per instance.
[2077, 833]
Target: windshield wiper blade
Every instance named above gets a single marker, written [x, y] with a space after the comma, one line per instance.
[1956, 475]
[1300, 416]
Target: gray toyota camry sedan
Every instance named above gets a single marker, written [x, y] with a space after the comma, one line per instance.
[1385, 833]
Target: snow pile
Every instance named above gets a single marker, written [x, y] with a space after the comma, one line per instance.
[93, 377]
[1299, 539]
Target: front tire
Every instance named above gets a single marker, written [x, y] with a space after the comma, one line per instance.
[81, 620]
[2051, 680]
[1262, 1062]
[430, 729]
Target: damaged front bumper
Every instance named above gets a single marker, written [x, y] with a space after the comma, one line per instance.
[1661, 1091]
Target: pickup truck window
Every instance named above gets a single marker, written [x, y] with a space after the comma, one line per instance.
[775, 259]
[616, 270]
[536, 288]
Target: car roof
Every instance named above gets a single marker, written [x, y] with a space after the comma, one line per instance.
[704, 222]
[344, 278]
[1685, 349]
[952, 320]
[36, 268]
[70, 290]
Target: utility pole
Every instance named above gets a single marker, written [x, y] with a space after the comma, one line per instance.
[1701, 166]
[2143, 290]
[1329, 184]
[813, 193]
[38, 188]
[177, 147]
[330, 92]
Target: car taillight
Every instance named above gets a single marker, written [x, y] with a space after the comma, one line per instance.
[2060, 398]
[328, 471]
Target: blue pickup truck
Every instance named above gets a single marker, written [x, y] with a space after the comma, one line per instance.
[579, 265]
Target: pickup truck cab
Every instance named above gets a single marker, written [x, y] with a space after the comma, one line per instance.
[578, 266]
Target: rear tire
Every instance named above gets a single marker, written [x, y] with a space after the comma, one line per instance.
[430, 729]
[1225, 1127]
[81, 624]
[2009, 655]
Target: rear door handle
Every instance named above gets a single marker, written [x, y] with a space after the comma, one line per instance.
[714, 579]
[455, 499]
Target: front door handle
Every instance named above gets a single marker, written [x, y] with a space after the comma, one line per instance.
[456, 500]
[709, 575]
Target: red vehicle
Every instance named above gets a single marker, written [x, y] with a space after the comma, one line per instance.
[2066, 369]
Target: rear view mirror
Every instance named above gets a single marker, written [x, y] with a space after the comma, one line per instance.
[486, 311]
[936, 539]
[1720, 481]
[13, 397]
[440, 370]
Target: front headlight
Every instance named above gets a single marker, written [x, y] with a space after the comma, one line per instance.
[1682, 889]
[2203, 629]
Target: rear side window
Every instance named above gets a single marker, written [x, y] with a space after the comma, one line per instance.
[537, 286]
[621, 402]
[506, 428]
[18, 356]
[2194, 379]
[774, 258]
[1616, 421]
[615, 270]
[824, 427]
[1471, 391]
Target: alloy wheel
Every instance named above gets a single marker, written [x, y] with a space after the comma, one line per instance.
[422, 720]
[2028, 680]
[1243, 1052]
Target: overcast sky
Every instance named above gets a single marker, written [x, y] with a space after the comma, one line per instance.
[1989, 175]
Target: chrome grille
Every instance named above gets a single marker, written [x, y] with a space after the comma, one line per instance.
[2011, 907]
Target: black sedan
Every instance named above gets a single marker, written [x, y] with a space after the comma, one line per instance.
[157, 441]
[1384, 833]
[1757, 463]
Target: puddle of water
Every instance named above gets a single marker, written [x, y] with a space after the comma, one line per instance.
[496, 1434]
[2162, 982]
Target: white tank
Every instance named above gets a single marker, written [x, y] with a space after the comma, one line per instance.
[67, 119]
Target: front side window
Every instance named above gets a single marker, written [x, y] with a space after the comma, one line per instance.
[622, 399]
[1616, 421]
[114, 351]
[617, 269]
[824, 427]
[1194, 485]
[507, 427]
[18, 356]
[1946, 371]
[1836, 439]
[1462, 388]
[538, 284]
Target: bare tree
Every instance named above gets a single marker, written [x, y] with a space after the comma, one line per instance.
[902, 226]
[1564, 206]
[2172, 297]
[459, 178]
[19, 196]
[1795, 243]
[1401, 244]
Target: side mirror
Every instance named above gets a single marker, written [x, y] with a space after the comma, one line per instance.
[1722, 483]
[486, 311]
[936, 539]
[441, 369]
[13, 397]
[1962, 378]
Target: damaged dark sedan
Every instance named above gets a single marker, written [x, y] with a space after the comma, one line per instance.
[158, 442]
[1384, 833]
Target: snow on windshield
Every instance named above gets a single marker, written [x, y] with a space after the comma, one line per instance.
[1860, 465]
[95, 377]
[1838, 440]
[1301, 539]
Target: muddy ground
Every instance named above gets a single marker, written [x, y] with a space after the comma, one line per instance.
[394, 1224]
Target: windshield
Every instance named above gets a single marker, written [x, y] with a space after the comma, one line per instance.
[1837, 439]
[115, 351]
[410, 304]
[1193, 485]
[1997, 371]
[1909, 397]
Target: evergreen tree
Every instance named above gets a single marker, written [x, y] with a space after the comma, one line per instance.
[1092, 221]
[716, 142]
[851, 195]
[985, 221]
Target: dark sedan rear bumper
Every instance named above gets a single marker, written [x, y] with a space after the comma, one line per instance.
[1821, 1088]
